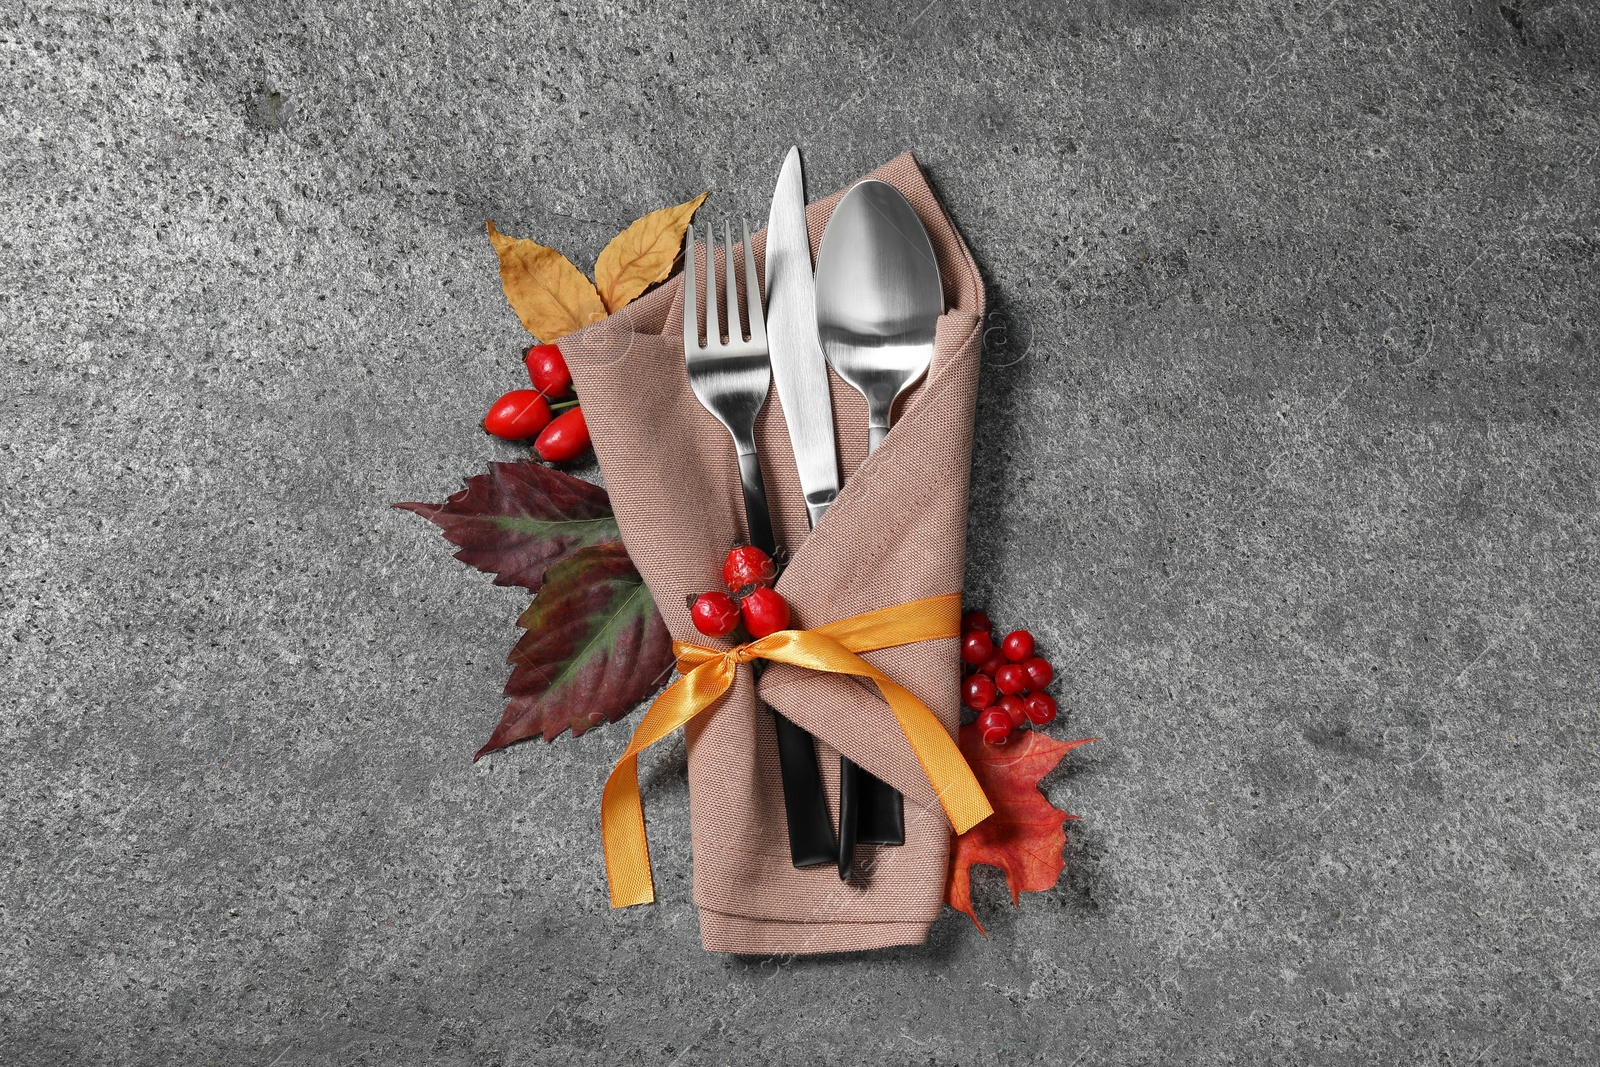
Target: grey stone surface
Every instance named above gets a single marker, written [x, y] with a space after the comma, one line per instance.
[1287, 451]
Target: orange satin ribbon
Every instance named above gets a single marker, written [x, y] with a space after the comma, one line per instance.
[709, 672]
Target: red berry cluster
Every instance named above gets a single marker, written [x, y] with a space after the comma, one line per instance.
[748, 573]
[524, 413]
[1004, 685]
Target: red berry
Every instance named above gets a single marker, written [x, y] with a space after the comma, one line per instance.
[1014, 709]
[747, 566]
[992, 664]
[1011, 679]
[978, 692]
[975, 648]
[1017, 646]
[765, 612]
[518, 415]
[995, 726]
[1040, 707]
[715, 614]
[1039, 672]
[566, 438]
[548, 370]
[975, 620]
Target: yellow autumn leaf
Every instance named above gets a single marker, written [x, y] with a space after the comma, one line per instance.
[549, 294]
[643, 254]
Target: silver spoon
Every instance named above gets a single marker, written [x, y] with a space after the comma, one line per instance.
[879, 299]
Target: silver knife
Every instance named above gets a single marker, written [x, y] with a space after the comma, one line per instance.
[798, 365]
[801, 371]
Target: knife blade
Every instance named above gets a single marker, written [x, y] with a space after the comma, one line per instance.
[798, 365]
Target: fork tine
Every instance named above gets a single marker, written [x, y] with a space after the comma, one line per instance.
[713, 327]
[752, 291]
[691, 314]
[730, 276]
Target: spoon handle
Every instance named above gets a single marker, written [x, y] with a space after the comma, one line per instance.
[871, 812]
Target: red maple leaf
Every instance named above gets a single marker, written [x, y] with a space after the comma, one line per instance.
[1025, 835]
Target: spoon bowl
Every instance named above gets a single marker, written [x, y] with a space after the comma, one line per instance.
[879, 297]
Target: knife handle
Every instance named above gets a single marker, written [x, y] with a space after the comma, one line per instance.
[849, 788]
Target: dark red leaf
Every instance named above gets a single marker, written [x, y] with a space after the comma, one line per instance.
[520, 518]
[595, 646]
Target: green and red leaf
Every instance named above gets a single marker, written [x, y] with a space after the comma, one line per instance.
[1026, 834]
[521, 518]
[595, 647]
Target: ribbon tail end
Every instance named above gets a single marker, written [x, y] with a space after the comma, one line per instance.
[627, 900]
[972, 819]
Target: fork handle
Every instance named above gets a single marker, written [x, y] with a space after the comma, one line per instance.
[755, 503]
[805, 805]
[811, 841]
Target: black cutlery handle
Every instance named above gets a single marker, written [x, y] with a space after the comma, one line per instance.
[811, 841]
[756, 516]
[871, 812]
[881, 811]
[849, 787]
[805, 806]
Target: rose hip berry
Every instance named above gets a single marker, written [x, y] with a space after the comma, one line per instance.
[566, 438]
[978, 692]
[1014, 709]
[995, 726]
[1040, 708]
[975, 620]
[748, 566]
[765, 612]
[1011, 679]
[518, 415]
[992, 664]
[1039, 671]
[1017, 646]
[547, 369]
[975, 648]
[715, 614]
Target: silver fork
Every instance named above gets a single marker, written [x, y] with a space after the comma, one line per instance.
[731, 377]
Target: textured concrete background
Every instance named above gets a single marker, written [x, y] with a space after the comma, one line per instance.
[1286, 451]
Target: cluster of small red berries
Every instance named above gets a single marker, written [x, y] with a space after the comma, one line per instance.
[1005, 684]
[524, 413]
[748, 573]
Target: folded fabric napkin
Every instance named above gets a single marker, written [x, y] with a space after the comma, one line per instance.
[896, 533]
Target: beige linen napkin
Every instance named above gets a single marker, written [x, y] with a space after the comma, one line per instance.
[897, 532]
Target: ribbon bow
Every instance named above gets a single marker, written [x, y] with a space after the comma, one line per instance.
[709, 672]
